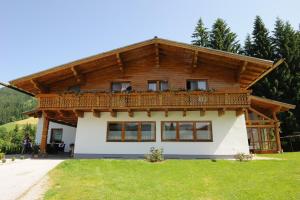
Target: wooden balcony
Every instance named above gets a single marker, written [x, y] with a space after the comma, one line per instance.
[144, 100]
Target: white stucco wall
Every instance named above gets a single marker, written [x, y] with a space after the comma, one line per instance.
[229, 134]
[68, 133]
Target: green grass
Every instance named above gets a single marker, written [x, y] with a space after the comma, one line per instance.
[10, 126]
[177, 179]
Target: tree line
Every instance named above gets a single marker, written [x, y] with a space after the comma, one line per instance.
[281, 84]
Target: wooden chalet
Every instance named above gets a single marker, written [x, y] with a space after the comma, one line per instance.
[190, 100]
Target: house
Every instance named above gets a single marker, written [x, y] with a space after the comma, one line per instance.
[192, 101]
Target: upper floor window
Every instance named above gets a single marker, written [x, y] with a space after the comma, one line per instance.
[158, 85]
[196, 85]
[120, 86]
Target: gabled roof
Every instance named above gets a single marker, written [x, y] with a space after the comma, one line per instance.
[249, 69]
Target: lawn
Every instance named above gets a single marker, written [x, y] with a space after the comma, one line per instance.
[177, 179]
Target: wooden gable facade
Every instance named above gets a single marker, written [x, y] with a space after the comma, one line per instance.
[65, 92]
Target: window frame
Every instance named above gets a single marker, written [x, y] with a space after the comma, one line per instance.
[201, 79]
[139, 134]
[194, 132]
[157, 83]
[52, 132]
[112, 82]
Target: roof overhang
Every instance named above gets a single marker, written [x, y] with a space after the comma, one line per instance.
[271, 105]
[249, 69]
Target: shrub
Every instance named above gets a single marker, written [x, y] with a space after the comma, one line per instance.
[2, 155]
[3, 160]
[22, 157]
[13, 158]
[243, 157]
[156, 155]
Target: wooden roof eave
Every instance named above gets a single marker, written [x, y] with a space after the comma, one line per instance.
[281, 106]
[138, 45]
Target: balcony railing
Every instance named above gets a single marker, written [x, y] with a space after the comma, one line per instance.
[144, 100]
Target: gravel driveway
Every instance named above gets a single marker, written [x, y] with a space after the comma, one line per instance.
[16, 178]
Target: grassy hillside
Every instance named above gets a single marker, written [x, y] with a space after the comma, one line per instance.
[13, 104]
[11, 125]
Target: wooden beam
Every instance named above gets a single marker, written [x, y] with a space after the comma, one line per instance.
[119, 61]
[202, 112]
[241, 70]
[266, 72]
[113, 113]
[239, 112]
[130, 113]
[259, 113]
[149, 113]
[184, 113]
[79, 113]
[41, 88]
[166, 113]
[78, 76]
[96, 113]
[195, 59]
[221, 112]
[157, 59]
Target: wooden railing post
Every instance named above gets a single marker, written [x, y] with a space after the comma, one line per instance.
[43, 144]
[277, 134]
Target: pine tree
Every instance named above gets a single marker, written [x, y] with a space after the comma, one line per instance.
[222, 38]
[261, 46]
[200, 35]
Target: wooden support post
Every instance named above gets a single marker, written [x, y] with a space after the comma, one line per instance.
[43, 144]
[277, 134]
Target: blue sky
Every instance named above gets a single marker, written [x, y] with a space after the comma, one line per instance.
[36, 35]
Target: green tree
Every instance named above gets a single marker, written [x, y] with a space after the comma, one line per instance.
[200, 35]
[222, 38]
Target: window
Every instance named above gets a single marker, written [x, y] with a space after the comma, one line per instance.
[187, 131]
[120, 86]
[75, 88]
[158, 85]
[115, 132]
[131, 131]
[196, 85]
[56, 135]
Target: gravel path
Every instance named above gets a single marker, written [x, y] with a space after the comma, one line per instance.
[18, 177]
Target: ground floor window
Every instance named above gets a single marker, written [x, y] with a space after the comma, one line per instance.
[56, 135]
[186, 131]
[130, 131]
